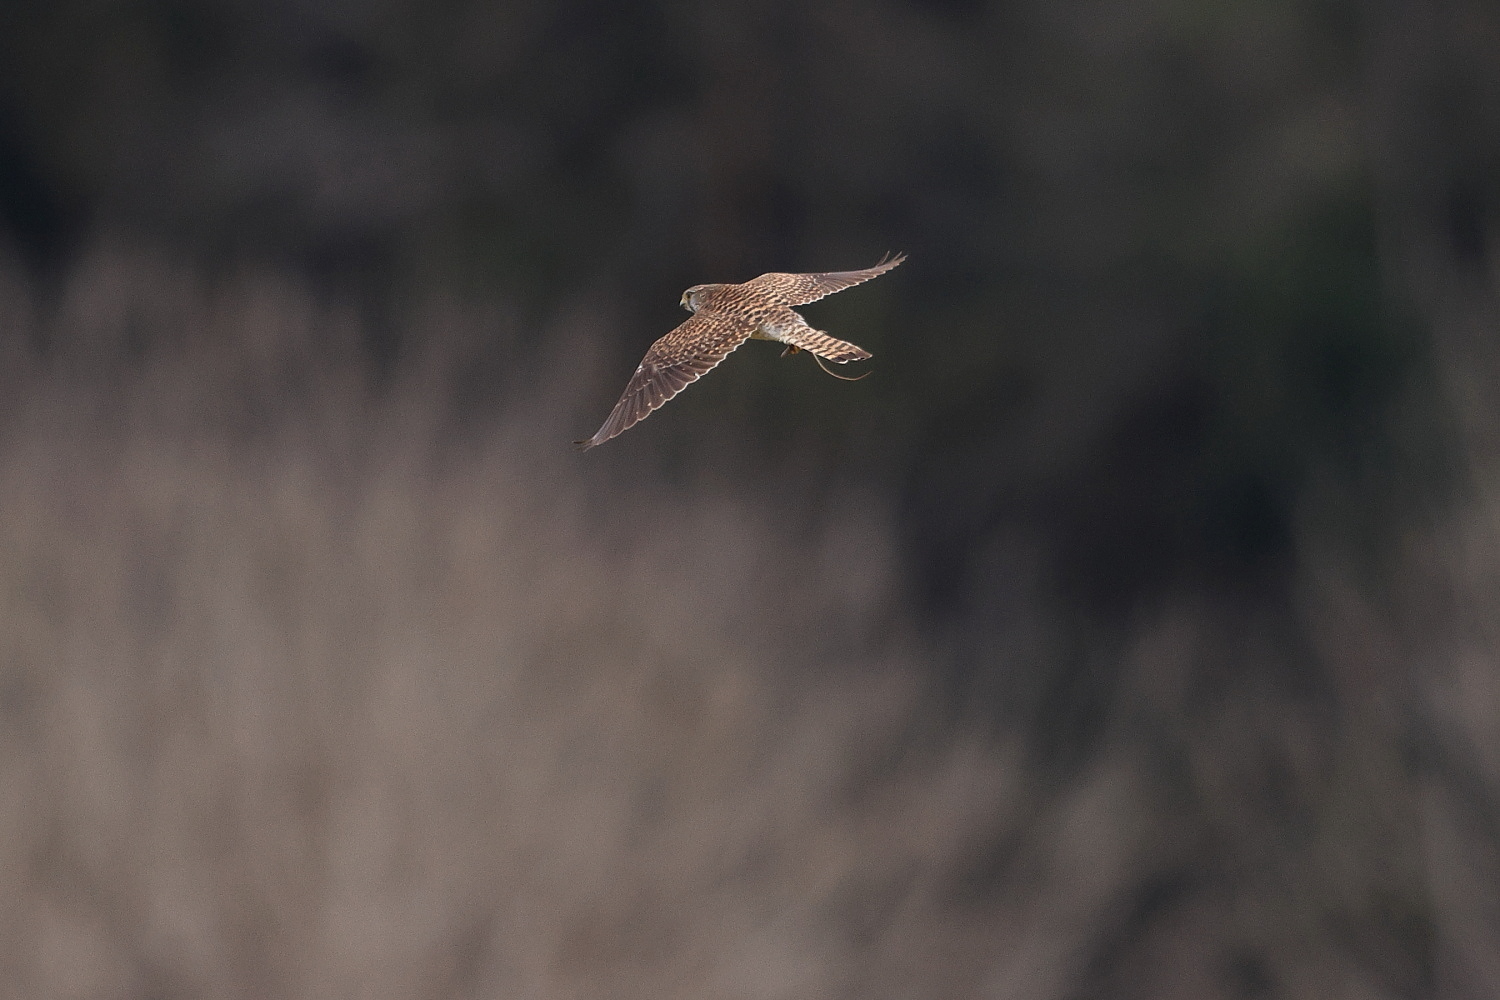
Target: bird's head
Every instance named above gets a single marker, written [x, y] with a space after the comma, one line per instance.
[694, 298]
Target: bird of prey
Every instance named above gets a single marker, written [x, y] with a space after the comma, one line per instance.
[724, 317]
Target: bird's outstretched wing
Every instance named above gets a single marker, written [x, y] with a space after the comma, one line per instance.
[800, 289]
[671, 364]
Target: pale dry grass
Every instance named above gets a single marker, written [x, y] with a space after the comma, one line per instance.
[309, 690]
[298, 703]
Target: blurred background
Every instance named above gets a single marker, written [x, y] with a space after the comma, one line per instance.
[1131, 632]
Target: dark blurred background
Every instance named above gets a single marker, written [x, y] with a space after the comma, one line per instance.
[1130, 633]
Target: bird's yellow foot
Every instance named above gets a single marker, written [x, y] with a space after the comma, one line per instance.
[790, 350]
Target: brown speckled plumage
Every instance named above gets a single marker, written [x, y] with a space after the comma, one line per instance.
[724, 317]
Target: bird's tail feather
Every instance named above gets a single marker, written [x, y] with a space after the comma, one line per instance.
[825, 346]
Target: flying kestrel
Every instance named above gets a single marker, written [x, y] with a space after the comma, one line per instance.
[724, 317]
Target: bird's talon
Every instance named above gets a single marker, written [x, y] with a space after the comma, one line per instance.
[842, 378]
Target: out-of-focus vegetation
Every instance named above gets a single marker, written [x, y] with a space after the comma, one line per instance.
[1129, 633]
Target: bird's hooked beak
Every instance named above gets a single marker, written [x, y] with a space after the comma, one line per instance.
[684, 303]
